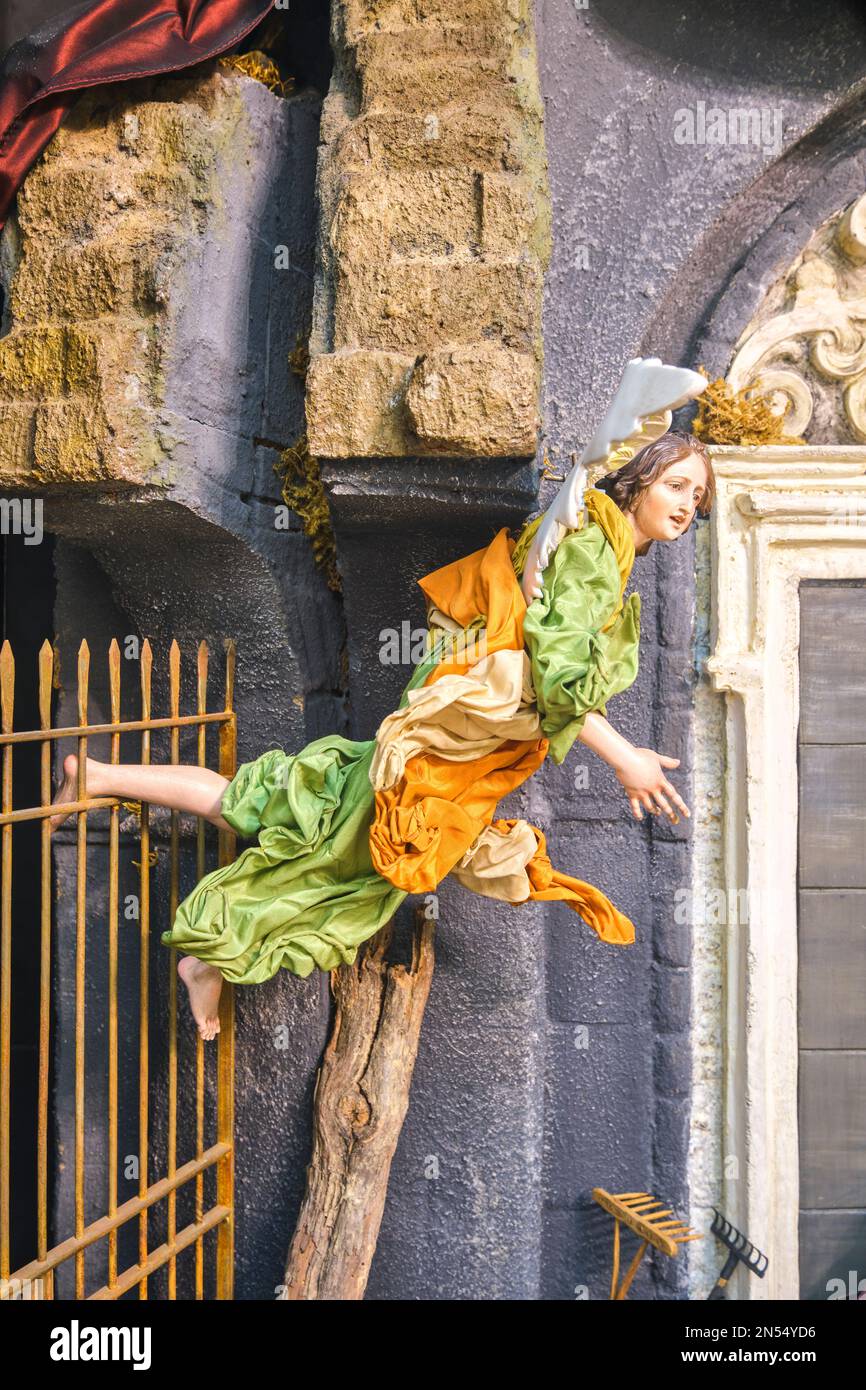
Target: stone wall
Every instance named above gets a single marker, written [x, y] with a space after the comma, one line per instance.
[434, 233]
[135, 223]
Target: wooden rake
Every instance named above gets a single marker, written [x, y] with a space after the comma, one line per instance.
[647, 1217]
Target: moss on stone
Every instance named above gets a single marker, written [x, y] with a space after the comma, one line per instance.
[303, 491]
[726, 416]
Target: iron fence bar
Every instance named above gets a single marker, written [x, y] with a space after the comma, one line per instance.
[219, 1154]
[80, 961]
[174, 899]
[46, 684]
[226, 1035]
[146, 670]
[98, 1230]
[7, 706]
[201, 750]
[163, 1254]
[126, 726]
[44, 813]
[113, 836]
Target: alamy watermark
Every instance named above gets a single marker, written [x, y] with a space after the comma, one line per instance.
[77, 1343]
[408, 646]
[759, 126]
[22, 516]
[713, 907]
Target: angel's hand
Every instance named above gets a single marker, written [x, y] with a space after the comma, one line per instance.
[641, 772]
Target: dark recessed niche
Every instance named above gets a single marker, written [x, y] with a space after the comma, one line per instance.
[297, 39]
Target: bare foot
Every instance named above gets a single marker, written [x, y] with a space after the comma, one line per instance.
[204, 983]
[68, 790]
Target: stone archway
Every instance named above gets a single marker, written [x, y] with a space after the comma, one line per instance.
[785, 516]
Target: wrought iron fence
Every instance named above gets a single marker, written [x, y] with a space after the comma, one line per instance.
[209, 1128]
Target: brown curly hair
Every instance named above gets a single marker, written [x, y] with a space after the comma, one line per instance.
[627, 483]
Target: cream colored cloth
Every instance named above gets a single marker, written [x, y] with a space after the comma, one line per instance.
[459, 717]
[470, 641]
[495, 864]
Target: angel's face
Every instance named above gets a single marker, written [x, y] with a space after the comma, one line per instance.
[665, 510]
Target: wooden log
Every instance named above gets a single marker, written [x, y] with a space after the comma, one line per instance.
[360, 1102]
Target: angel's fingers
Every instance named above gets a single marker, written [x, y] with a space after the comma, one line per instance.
[676, 798]
[665, 805]
[666, 761]
[647, 801]
[635, 808]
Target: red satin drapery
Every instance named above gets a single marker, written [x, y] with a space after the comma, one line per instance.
[98, 42]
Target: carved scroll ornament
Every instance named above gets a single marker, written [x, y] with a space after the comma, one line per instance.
[805, 349]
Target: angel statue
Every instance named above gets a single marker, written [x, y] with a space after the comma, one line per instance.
[527, 641]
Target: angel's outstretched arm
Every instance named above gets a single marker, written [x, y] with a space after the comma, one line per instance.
[640, 770]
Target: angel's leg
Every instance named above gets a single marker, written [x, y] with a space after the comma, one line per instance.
[179, 787]
[204, 984]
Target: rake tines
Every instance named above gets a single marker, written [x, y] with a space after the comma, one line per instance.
[645, 1215]
[741, 1251]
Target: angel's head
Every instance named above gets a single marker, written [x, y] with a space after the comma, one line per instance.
[662, 488]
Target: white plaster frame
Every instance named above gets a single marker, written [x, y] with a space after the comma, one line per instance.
[783, 514]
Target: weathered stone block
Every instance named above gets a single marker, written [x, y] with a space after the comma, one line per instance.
[474, 400]
[476, 139]
[507, 213]
[439, 303]
[68, 197]
[16, 441]
[68, 441]
[122, 271]
[425, 213]
[464, 401]
[432, 43]
[94, 281]
[350, 403]
[434, 227]
[360, 17]
[424, 86]
[32, 363]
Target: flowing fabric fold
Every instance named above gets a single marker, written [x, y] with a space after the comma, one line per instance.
[98, 42]
[581, 636]
[480, 585]
[459, 717]
[603, 511]
[336, 855]
[495, 863]
[509, 861]
[427, 821]
[307, 894]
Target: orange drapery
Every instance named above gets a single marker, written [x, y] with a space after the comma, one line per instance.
[423, 824]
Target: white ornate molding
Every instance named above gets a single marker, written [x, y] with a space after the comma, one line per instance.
[806, 347]
[782, 515]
